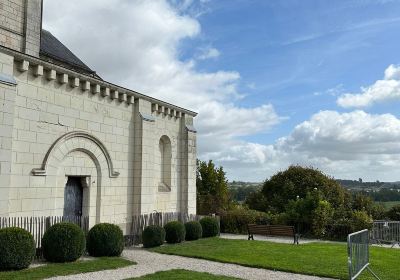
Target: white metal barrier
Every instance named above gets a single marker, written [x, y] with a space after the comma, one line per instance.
[358, 254]
[386, 232]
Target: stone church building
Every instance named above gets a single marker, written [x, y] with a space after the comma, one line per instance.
[74, 144]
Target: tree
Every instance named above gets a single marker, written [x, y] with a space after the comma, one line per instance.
[297, 182]
[256, 201]
[322, 217]
[212, 188]
[394, 213]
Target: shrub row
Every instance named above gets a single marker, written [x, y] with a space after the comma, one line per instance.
[63, 242]
[66, 242]
[176, 232]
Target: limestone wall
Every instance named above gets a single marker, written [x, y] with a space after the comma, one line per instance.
[20, 25]
[64, 125]
[7, 99]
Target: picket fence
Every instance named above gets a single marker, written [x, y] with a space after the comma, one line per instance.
[139, 222]
[37, 226]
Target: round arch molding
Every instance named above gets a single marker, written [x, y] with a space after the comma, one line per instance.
[74, 141]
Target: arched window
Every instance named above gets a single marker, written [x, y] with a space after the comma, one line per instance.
[165, 164]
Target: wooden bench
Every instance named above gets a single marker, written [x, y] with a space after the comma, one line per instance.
[273, 230]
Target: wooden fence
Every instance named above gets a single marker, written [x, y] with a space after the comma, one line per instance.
[139, 222]
[37, 226]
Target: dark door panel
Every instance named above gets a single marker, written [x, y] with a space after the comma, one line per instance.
[73, 197]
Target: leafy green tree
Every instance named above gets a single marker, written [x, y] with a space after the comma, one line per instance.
[360, 220]
[296, 182]
[256, 201]
[322, 217]
[212, 188]
[394, 213]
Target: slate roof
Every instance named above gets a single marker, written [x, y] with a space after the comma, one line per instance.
[52, 50]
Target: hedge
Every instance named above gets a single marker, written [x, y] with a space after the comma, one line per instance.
[153, 236]
[63, 242]
[105, 240]
[17, 248]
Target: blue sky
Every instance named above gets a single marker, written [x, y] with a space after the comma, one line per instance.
[275, 83]
[293, 53]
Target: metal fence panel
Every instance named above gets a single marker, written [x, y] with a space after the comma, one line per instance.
[386, 232]
[358, 253]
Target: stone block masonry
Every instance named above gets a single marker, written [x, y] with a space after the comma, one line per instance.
[53, 129]
[20, 25]
[126, 153]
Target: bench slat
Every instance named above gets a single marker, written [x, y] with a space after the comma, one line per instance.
[271, 230]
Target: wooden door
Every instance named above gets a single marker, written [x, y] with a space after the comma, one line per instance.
[73, 197]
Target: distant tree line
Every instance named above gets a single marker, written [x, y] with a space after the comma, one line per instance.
[359, 184]
[241, 192]
[383, 195]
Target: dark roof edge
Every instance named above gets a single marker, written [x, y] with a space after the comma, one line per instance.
[35, 60]
[51, 56]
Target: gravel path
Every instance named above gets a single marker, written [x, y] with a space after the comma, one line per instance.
[149, 262]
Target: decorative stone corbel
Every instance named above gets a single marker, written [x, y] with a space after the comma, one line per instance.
[114, 94]
[38, 70]
[122, 97]
[51, 75]
[131, 99]
[75, 82]
[86, 86]
[23, 66]
[63, 78]
[96, 89]
[106, 92]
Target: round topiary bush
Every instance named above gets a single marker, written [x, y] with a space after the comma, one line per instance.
[63, 242]
[210, 226]
[153, 236]
[174, 232]
[105, 240]
[17, 248]
[193, 230]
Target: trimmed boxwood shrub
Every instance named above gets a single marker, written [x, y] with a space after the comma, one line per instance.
[193, 230]
[174, 232]
[17, 248]
[153, 236]
[105, 240]
[210, 226]
[63, 242]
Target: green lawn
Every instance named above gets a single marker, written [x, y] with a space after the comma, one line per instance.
[322, 259]
[61, 269]
[180, 274]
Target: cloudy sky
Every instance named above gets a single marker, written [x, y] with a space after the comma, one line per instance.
[275, 83]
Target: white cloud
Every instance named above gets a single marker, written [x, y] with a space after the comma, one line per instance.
[346, 145]
[382, 90]
[136, 44]
[207, 53]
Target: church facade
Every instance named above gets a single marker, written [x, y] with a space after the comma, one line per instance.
[73, 144]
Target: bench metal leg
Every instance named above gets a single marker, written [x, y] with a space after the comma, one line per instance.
[250, 237]
[296, 239]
